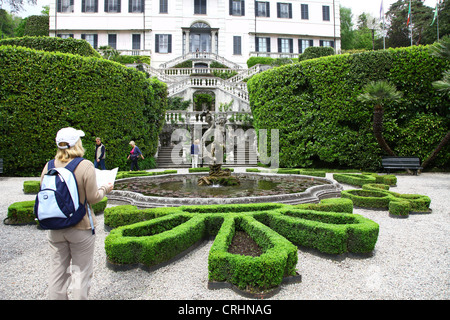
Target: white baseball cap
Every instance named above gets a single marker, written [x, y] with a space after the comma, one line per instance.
[68, 135]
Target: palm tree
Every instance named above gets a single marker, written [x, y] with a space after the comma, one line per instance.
[441, 49]
[379, 93]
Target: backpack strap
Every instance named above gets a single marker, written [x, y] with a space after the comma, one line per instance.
[51, 164]
[73, 164]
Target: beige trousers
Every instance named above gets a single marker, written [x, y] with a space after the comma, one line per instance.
[72, 259]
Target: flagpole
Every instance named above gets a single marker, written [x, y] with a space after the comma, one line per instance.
[384, 27]
[437, 20]
[410, 22]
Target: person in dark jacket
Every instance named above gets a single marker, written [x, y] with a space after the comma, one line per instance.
[99, 154]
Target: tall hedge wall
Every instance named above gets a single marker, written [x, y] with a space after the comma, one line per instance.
[69, 45]
[41, 92]
[314, 105]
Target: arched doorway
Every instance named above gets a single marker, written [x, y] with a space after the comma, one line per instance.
[200, 37]
[204, 100]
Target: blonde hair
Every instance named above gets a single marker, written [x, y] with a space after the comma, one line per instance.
[65, 155]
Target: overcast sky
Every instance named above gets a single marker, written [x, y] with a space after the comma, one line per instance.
[357, 6]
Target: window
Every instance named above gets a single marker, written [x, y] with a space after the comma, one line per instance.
[303, 44]
[135, 6]
[112, 40]
[89, 6]
[262, 9]
[285, 46]
[237, 7]
[284, 10]
[326, 43]
[136, 42]
[65, 35]
[163, 43]
[237, 50]
[305, 12]
[200, 7]
[112, 5]
[326, 13]
[92, 39]
[65, 6]
[163, 6]
[262, 44]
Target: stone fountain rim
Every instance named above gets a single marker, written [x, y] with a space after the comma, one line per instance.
[311, 195]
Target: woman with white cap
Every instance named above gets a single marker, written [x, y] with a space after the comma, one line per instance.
[72, 249]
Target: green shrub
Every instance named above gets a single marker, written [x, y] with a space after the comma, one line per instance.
[142, 173]
[32, 186]
[314, 106]
[259, 60]
[365, 178]
[379, 196]
[41, 92]
[23, 212]
[315, 52]
[54, 44]
[163, 233]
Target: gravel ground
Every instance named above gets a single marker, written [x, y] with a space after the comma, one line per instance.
[411, 260]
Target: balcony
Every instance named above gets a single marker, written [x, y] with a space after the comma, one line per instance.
[199, 117]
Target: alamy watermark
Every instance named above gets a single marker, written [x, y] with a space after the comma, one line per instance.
[218, 145]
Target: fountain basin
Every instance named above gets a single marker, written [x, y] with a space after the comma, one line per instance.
[322, 188]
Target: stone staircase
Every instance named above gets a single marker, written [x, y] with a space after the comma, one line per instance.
[242, 158]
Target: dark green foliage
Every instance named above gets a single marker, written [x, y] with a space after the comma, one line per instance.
[36, 26]
[51, 44]
[41, 92]
[314, 105]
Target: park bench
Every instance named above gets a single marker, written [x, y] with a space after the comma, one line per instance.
[398, 163]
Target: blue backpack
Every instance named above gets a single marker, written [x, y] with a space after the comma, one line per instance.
[57, 204]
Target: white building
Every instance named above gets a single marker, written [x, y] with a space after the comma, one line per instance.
[202, 31]
[233, 30]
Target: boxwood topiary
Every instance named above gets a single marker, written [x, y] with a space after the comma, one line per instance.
[53, 44]
[314, 106]
[41, 92]
[163, 233]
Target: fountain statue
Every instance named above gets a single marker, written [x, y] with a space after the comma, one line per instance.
[217, 175]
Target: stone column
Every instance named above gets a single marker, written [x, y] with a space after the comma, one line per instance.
[187, 41]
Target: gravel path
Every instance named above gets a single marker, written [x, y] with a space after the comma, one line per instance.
[411, 259]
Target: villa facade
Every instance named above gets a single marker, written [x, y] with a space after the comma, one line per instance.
[167, 29]
[203, 33]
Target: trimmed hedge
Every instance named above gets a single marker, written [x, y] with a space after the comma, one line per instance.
[32, 186]
[142, 173]
[315, 173]
[316, 52]
[163, 233]
[22, 212]
[365, 178]
[379, 196]
[41, 92]
[314, 105]
[54, 44]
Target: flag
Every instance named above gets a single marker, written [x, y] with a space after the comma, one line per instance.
[381, 9]
[409, 13]
[435, 14]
